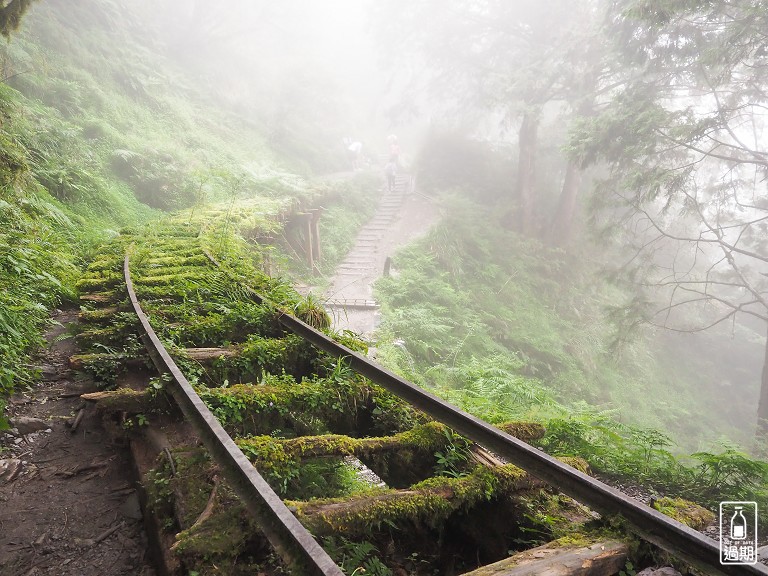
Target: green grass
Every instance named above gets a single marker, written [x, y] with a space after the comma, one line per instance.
[98, 130]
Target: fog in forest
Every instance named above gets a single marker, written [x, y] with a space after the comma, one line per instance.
[439, 281]
[600, 168]
[582, 127]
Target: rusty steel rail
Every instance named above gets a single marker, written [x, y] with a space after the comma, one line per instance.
[286, 534]
[650, 524]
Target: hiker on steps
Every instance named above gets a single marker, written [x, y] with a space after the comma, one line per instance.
[394, 149]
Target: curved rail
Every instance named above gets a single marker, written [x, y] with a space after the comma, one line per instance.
[293, 542]
[663, 531]
[292, 539]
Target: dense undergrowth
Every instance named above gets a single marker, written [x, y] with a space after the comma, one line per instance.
[510, 329]
[99, 128]
[202, 289]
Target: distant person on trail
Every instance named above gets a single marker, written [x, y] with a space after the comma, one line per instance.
[394, 149]
[391, 171]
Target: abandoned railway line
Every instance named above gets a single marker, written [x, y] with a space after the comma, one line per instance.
[195, 348]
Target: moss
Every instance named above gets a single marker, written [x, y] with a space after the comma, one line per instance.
[312, 407]
[575, 462]
[404, 453]
[172, 278]
[684, 511]
[574, 540]
[523, 430]
[98, 283]
[173, 261]
[429, 502]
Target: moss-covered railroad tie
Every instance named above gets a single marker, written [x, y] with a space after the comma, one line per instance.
[400, 459]
[428, 503]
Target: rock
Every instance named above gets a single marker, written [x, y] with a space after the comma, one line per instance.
[48, 372]
[26, 425]
[664, 571]
[131, 507]
[9, 469]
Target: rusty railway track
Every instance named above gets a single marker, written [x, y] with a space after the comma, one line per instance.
[294, 542]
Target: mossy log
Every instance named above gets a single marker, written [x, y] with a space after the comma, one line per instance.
[86, 361]
[111, 335]
[175, 250]
[525, 431]
[193, 275]
[251, 360]
[101, 297]
[400, 459]
[194, 260]
[206, 355]
[122, 400]
[559, 558]
[428, 503]
[100, 316]
[353, 407]
[684, 511]
[97, 284]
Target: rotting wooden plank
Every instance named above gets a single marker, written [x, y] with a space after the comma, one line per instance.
[121, 400]
[206, 354]
[81, 361]
[553, 559]
[429, 502]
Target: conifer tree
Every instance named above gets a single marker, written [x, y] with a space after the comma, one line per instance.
[684, 140]
[11, 13]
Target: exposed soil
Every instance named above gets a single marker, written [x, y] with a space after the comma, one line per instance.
[68, 500]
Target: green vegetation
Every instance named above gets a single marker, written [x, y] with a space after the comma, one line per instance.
[509, 329]
[95, 133]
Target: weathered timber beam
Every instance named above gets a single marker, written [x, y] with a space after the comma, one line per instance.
[425, 438]
[400, 460]
[84, 361]
[429, 502]
[555, 559]
[121, 400]
[100, 297]
[209, 354]
[101, 315]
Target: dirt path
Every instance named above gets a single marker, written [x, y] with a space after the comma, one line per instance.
[67, 500]
[402, 216]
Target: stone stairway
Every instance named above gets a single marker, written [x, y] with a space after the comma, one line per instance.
[400, 217]
[362, 259]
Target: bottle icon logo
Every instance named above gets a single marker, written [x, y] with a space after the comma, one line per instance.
[738, 533]
[738, 525]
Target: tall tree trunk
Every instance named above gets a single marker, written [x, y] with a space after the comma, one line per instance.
[526, 169]
[562, 223]
[762, 409]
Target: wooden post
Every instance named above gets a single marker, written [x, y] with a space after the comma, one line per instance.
[387, 266]
[315, 231]
[309, 247]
